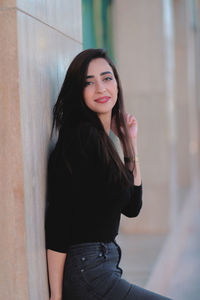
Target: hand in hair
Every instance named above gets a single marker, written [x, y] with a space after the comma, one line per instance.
[131, 123]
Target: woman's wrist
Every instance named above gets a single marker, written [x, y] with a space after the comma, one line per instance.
[128, 159]
[136, 158]
[56, 297]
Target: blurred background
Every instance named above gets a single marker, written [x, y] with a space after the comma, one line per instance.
[155, 45]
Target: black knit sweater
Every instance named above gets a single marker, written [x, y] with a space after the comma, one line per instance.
[83, 206]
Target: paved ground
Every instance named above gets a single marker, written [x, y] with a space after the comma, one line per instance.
[139, 255]
[186, 282]
[177, 271]
[167, 265]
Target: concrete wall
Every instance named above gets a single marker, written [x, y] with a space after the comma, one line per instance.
[186, 96]
[38, 40]
[156, 49]
[140, 55]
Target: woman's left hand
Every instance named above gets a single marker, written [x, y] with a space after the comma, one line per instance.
[132, 125]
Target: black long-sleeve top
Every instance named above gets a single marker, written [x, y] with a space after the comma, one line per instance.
[83, 206]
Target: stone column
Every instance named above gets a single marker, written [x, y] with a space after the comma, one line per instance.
[38, 40]
[13, 264]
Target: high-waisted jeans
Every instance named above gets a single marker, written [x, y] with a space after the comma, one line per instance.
[92, 272]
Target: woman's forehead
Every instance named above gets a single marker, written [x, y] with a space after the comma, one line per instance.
[98, 65]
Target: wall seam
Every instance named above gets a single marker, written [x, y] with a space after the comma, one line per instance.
[59, 31]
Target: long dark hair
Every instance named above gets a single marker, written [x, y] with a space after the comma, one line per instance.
[71, 109]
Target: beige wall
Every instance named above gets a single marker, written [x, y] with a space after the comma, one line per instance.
[197, 51]
[186, 95]
[38, 40]
[139, 49]
[155, 46]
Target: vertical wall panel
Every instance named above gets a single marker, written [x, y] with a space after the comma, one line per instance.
[13, 272]
[38, 39]
[44, 55]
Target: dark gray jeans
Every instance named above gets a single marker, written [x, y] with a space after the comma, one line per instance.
[92, 272]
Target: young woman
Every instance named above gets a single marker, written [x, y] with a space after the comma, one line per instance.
[89, 186]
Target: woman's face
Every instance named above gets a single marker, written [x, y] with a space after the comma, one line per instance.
[100, 92]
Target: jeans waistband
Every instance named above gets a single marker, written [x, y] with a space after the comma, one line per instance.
[93, 246]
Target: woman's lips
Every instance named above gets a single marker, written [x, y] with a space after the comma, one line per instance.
[102, 99]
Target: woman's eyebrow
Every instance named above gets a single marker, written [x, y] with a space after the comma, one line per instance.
[107, 72]
[103, 73]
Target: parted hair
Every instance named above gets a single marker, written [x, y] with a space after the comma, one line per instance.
[70, 109]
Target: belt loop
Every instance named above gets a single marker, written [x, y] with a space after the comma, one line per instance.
[104, 249]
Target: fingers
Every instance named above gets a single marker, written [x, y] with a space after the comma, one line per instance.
[130, 119]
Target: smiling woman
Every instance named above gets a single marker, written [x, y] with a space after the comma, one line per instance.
[89, 186]
[100, 92]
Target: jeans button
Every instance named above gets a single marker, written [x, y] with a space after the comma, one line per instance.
[100, 254]
[83, 258]
[82, 270]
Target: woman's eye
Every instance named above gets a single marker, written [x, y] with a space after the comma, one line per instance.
[88, 83]
[108, 78]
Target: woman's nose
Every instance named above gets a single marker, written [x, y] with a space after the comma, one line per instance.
[100, 87]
